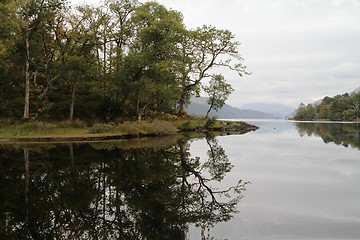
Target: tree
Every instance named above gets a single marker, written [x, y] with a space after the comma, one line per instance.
[123, 58]
[39, 20]
[78, 58]
[324, 111]
[203, 49]
[306, 113]
[218, 92]
[356, 105]
[27, 60]
[150, 67]
[10, 70]
[338, 106]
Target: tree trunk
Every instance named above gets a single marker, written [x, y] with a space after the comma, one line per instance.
[104, 66]
[27, 72]
[72, 104]
[210, 108]
[207, 113]
[182, 101]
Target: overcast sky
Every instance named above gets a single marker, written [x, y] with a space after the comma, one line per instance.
[297, 50]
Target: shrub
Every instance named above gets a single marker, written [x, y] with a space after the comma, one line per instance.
[170, 117]
[7, 121]
[77, 123]
[210, 123]
[37, 126]
[102, 128]
[186, 126]
[156, 127]
[161, 127]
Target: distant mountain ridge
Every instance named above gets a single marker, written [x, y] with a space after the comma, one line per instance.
[275, 109]
[199, 106]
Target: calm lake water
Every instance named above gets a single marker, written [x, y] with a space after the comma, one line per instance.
[298, 181]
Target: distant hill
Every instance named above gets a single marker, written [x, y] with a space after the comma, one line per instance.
[270, 108]
[199, 107]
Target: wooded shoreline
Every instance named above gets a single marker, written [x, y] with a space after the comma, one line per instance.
[194, 127]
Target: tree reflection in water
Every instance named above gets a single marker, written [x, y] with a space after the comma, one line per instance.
[101, 191]
[344, 134]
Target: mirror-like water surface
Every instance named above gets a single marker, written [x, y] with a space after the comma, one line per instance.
[305, 182]
[287, 181]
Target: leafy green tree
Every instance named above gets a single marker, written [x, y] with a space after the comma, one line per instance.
[39, 51]
[218, 91]
[338, 106]
[356, 105]
[343, 107]
[306, 113]
[202, 50]
[324, 111]
[150, 67]
[121, 59]
[78, 58]
[120, 39]
[10, 67]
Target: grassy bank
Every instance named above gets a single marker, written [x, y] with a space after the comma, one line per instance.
[80, 131]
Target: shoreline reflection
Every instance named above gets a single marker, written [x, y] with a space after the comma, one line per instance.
[100, 191]
[344, 134]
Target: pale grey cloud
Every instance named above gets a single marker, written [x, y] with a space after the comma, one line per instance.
[347, 70]
[298, 51]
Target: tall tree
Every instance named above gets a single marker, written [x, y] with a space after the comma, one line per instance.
[152, 65]
[78, 56]
[203, 49]
[10, 70]
[39, 19]
[27, 16]
[218, 91]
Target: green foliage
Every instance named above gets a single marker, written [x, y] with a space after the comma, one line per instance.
[218, 91]
[156, 127]
[76, 123]
[120, 60]
[305, 113]
[339, 108]
[37, 126]
[210, 122]
[102, 128]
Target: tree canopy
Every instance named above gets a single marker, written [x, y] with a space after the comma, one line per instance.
[120, 60]
[345, 107]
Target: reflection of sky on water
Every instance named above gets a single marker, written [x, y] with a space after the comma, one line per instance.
[301, 188]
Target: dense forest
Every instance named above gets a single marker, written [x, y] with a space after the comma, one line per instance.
[345, 107]
[120, 60]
